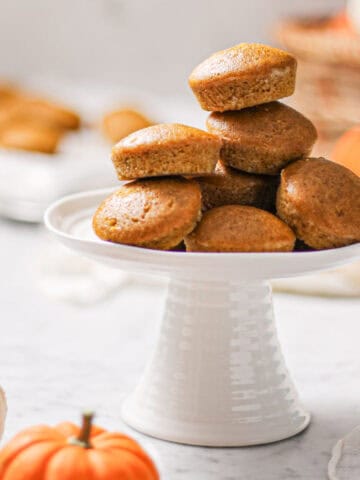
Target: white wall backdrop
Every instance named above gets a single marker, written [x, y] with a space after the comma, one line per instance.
[140, 43]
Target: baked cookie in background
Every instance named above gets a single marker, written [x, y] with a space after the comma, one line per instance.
[30, 137]
[262, 139]
[243, 76]
[166, 149]
[8, 111]
[47, 112]
[7, 91]
[238, 228]
[33, 123]
[120, 123]
[153, 213]
[228, 186]
[320, 201]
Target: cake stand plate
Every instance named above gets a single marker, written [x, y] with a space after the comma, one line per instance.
[217, 376]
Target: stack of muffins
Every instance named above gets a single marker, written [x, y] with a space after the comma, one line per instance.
[246, 185]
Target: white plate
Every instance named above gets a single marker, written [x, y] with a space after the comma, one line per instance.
[29, 182]
[70, 220]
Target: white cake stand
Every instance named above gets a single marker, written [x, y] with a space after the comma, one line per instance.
[217, 376]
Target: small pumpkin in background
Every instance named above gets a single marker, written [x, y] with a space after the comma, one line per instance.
[3, 409]
[347, 150]
[67, 452]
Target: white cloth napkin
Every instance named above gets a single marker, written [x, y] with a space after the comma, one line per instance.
[345, 460]
[342, 282]
[66, 276]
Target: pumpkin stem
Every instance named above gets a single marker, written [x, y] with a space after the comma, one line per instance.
[84, 436]
[83, 440]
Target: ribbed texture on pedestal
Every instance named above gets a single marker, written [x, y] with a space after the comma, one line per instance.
[217, 376]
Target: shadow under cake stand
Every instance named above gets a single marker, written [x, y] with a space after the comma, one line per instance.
[217, 376]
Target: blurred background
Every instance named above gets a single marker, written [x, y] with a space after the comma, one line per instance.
[76, 76]
[96, 57]
[147, 44]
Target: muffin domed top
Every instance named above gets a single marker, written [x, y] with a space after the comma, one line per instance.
[245, 58]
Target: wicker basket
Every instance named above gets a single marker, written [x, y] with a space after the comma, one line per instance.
[328, 80]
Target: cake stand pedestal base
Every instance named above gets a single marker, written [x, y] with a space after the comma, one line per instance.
[217, 376]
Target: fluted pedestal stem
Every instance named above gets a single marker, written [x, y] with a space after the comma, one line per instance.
[217, 376]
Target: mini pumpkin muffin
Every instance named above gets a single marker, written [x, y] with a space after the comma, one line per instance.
[242, 76]
[320, 200]
[26, 136]
[120, 123]
[228, 186]
[238, 228]
[155, 213]
[262, 139]
[166, 149]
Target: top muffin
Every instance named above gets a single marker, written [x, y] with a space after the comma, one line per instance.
[243, 76]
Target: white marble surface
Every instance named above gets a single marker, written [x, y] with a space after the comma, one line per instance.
[56, 358]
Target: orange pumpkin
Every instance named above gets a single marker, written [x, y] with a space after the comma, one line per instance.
[67, 452]
[347, 150]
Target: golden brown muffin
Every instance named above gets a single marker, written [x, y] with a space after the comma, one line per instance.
[242, 76]
[120, 123]
[238, 228]
[228, 186]
[47, 113]
[25, 136]
[263, 139]
[166, 149]
[320, 200]
[155, 213]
